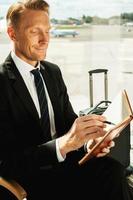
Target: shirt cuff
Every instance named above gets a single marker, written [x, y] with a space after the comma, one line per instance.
[59, 156]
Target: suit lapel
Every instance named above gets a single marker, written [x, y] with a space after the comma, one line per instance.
[20, 88]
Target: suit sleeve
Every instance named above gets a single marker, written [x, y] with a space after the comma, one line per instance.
[68, 114]
[18, 153]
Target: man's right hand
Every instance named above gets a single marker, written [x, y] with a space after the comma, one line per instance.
[83, 129]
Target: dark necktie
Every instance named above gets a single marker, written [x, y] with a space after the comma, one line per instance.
[45, 122]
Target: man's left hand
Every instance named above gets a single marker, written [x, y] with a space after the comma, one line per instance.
[101, 151]
[106, 150]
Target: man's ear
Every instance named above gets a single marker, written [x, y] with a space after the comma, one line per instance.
[11, 33]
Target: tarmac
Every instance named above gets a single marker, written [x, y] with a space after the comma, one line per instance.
[108, 47]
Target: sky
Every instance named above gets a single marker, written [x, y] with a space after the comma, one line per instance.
[62, 9]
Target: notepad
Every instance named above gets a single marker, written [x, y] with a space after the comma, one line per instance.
[119, 113]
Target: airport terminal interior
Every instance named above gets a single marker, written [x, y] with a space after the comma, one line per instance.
[96, 45]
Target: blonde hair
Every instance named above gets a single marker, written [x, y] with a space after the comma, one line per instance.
[16, 10]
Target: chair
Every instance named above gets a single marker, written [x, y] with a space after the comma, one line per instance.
[14, 188]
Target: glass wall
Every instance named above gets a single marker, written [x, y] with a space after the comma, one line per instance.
[103, 38]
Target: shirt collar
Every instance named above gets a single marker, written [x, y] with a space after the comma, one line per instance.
[22, 66]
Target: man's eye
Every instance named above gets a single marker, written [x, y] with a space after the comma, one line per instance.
[34, 31]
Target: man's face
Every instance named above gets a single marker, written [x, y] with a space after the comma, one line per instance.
[31, 38]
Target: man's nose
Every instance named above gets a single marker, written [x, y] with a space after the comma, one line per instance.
[44, 37]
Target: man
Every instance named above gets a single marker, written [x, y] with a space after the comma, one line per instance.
[41, 160]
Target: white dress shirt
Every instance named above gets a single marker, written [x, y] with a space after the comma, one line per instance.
[25, 71]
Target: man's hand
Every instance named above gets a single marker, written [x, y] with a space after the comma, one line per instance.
[83, 129]
[102, 150]
[106, 150]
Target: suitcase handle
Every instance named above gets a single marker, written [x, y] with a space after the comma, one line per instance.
[91, 72]
[97, 109]
[98, 71]
[101, 102]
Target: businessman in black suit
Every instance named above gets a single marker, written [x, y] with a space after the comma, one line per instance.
[38, 161]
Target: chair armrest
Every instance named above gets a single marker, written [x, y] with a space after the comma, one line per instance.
[14, 188]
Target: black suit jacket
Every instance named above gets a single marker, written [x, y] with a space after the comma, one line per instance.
[22, 147]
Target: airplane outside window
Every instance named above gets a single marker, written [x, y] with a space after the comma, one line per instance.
[63, 32]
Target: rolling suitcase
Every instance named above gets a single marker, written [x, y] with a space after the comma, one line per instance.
[121, 151]
[100, 107]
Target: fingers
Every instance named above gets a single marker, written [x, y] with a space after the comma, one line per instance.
[111, 144]
[103, 152]
[117, 135]
[101, 155]
[91, 118]
[91, 124]
[90, 127]
[95, 134]
[90, 144]
[90, 121]
[106, 150]
[83, 129]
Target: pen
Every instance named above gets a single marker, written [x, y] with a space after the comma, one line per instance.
[107, 122]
